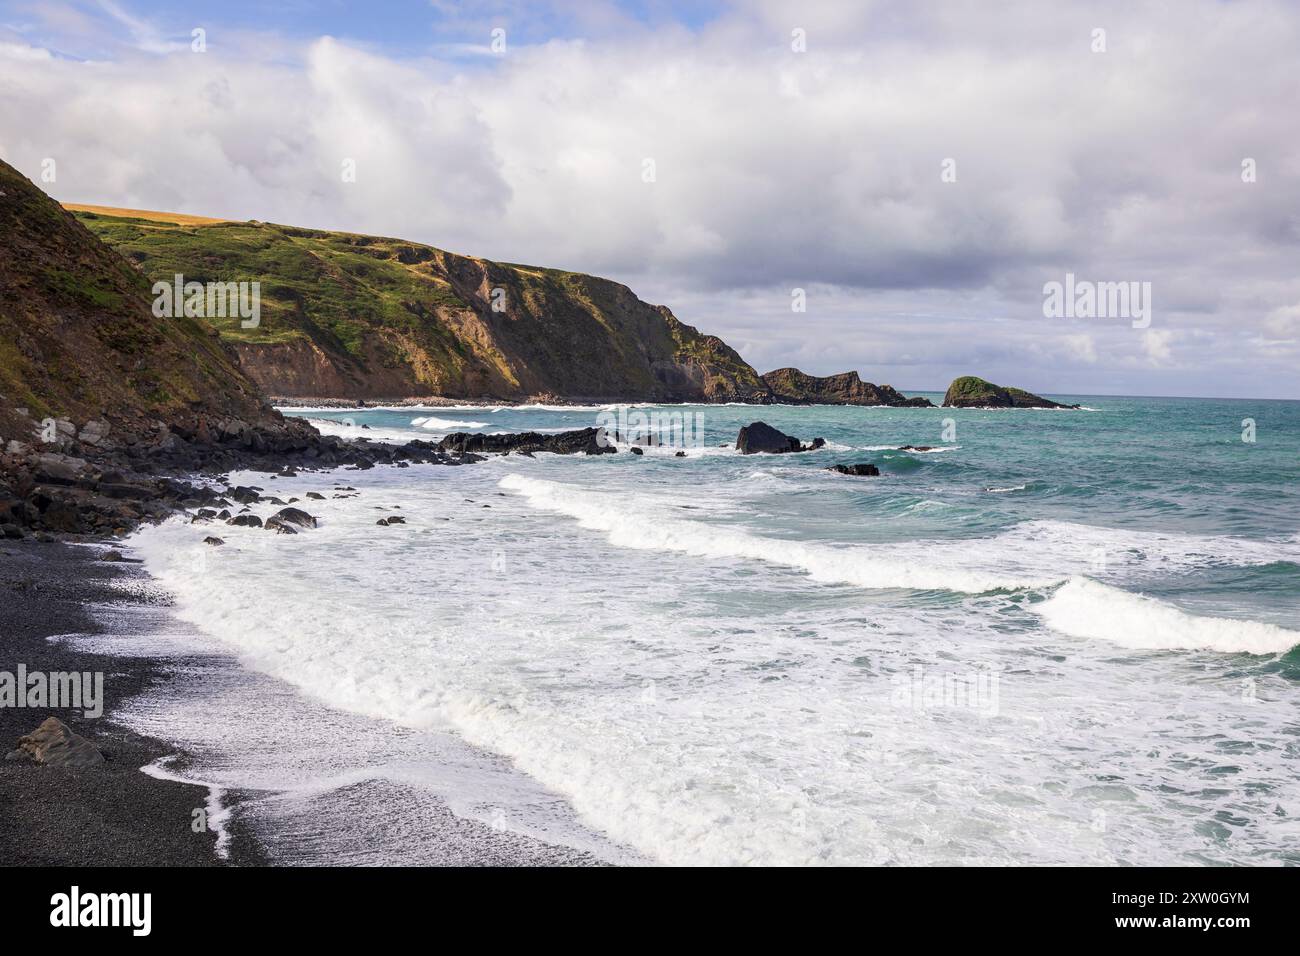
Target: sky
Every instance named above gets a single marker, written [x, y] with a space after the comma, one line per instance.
[913, 174]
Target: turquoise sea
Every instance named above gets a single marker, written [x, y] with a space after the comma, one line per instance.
[1048, 637]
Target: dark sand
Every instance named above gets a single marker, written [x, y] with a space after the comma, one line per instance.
[112, 815]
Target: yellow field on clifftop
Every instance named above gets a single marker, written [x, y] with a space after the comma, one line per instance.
[179, 218]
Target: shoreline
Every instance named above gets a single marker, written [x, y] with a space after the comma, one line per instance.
[114, 814]
[136, 808]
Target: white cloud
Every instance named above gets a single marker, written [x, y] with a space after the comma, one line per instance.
[1284, 323]
[773, 169]
[1157, 344]
[1082, 347]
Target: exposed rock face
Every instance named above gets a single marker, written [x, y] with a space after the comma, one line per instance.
[972, 392]
[761, 438]
[54, 744]
[586, 441]
[363, 317]
[863, 470]
[792, 387]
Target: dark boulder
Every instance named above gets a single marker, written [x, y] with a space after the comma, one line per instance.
[54, 744]
[861, 470]
[213, 541]
[280, 526]
[585, 441]
[245, 521]
[761, 438]
[56, 469]
[295, 516]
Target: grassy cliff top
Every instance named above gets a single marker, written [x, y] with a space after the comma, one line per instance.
[420, 318]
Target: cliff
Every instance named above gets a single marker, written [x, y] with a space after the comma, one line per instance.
[364, 317]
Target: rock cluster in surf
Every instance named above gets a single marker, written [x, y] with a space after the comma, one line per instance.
[761, 438]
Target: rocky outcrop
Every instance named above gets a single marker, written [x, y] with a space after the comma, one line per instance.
[364, 317]
[112, 491]
[54, 744]
[863, 470]
[585, 441]
[761, 438]
[789, 386]
[970, 391]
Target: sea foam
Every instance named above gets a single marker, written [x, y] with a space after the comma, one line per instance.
[635, 526]
[1089, 609]
[696, 701]
[444, 424]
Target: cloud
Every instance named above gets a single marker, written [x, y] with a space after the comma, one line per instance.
[1157, 344]
[1284, 323]
[772, 168]
[1082, 347]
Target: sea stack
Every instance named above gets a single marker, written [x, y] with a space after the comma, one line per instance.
[970, 391]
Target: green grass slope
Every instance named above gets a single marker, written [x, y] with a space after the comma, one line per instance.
[351, 316]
